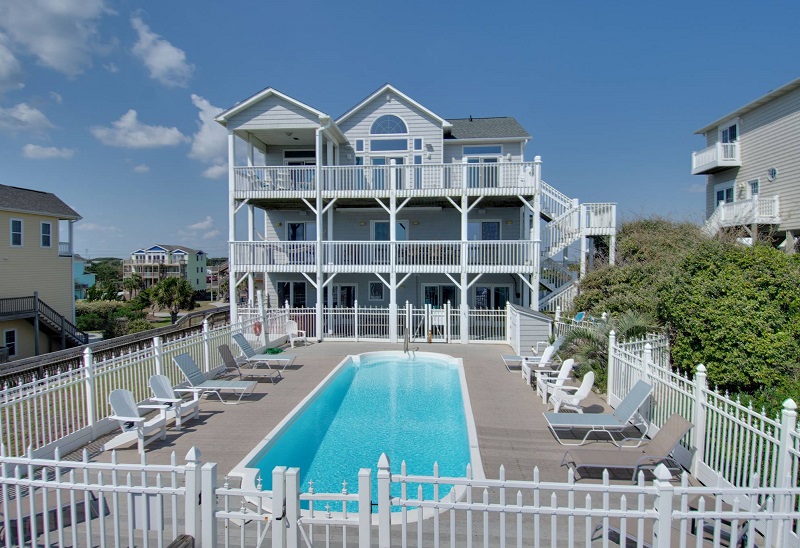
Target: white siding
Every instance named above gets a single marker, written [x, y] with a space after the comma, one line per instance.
[453, 152]
[273, 113]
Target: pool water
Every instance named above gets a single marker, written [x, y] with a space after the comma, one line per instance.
[410, 409]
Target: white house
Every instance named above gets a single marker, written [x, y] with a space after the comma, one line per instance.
[161, 261]
[391, 202]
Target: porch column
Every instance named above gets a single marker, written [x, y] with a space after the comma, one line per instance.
[464, 306]
[392, 259]
[318, 255]
[536, 231]
[250, 161]
[329, 287]
[232, 227]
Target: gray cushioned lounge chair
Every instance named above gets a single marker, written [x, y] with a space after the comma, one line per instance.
[198, 380]
[253, 358]
[250, 372]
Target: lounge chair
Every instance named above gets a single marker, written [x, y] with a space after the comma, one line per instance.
[165, 394]
[579, 317]
[626, 414]
[251, 357]
[547, 381]
[294, 333]
[645, 454]
[571, 397]
[134, 425]
[512, 361]
[252, 372]
[529, 362]
[211, 386]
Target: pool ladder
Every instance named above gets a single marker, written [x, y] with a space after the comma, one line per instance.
[406, 341]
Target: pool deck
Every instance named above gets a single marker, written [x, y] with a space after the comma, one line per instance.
[508, 414]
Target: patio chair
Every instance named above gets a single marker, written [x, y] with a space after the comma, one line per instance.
[645, 454]
[529, 362]
[579, 317]
[547, 381]
[570, 397]
[626, 414]
[512, 361]
[134, 425]
[556, 344]
[165, 394]
[231, 365]
[294, 333]
[251, 357]
[211, 386]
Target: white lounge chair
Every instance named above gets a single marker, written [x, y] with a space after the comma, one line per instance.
[134, 425]
[547, 381]
[251, 372]
[626, 414]
[571, 397]
[211, 386]
[528, 363]
[165, 394]
[252, 358]
[294, 333]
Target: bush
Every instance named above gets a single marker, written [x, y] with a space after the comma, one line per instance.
[736, 310]
[138, 325]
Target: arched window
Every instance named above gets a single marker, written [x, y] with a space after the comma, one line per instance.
[388, 124]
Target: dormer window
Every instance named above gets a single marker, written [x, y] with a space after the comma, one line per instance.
[388, 124]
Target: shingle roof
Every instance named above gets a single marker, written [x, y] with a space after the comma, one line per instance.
[486, 128]
[172, 248]
[24, 200]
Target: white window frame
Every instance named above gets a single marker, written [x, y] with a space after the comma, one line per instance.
[491, 287]
[335, 288]
[397, 221]
[312, 155]
[41, 234]
[424, 285]
[16, 342]
[296, 222]
[466, 154]
[382, 114]
[370, 297]
[500, 228]
[21, 233]
[724, 186]
[750, 183]
[291, 291]
[722, 127]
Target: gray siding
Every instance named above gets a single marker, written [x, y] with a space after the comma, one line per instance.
[454, 152]
[273, 112]
[419, 124]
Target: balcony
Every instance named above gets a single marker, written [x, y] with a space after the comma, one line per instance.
[366, 257]
[65, 249]
[755, 211]
[716, 158]
[374, 181]
[156, 262]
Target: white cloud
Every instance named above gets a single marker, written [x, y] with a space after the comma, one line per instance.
[166, 63]
[37, 152]
[216, 172]
[141, 168]
[213, 234]
[696, 188]
[56, 97]
[94, 227]
[23, 117]
[61, 34]
[128, 132]
[111, 67]
[10, 69]
[202, 225]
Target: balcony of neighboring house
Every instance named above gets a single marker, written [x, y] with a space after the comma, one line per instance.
[370, 256]
[715, 158]
[501, 178]
[65, 249]
[752, 211]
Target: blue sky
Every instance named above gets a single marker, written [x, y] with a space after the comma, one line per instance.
[109, 103]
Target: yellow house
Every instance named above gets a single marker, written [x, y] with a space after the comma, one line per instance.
[37, 309]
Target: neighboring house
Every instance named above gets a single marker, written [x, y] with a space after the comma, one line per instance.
[167, 261]
[752, 167]
[37, 307]
[83, 280]
[391, 202]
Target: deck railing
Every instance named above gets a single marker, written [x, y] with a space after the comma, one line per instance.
[716, 156]
[755, 210]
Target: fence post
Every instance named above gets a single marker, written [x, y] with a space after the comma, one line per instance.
[409, 321]
[278, 507]
[192, 503]
[355, 319]
[384, 503]
[157, 355]
[662, 528]
[784, 468]
[699, 434]
[364, 508]
[293, 507]
[262, 313]
[611, 374]
[447, 322]
[88, 367]
[208, 508]
[648, 357]
[558, 314]
[206, 345]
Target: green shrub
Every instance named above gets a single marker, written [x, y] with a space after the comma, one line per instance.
[138, 325]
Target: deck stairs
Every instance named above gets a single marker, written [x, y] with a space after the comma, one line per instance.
[56, 326]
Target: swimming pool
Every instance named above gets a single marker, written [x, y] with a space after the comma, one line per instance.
[412, 407]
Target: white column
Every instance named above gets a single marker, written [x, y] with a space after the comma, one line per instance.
[464, 306]
[582, 232]
[232, 227]
[536, 232]
[318, 255]
[392, 254]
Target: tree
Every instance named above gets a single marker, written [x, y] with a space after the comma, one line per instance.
[132, 284]
[106, 270]
[173, 294]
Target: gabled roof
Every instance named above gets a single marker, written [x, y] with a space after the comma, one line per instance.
[224, 116]
[390, 88]
[180, 249]
[24, 200]
[486, 128]
[774, 94]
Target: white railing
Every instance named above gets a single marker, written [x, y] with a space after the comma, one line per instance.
[561, 299]
[562, 231]
[717, 155]
[275, 179]
[555, 203]
[65, 249]
[600, 219]
[744, 212]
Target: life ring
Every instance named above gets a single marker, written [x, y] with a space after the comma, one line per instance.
[257, 328]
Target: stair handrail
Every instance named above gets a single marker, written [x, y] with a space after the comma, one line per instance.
[62, 322]
[550, 194]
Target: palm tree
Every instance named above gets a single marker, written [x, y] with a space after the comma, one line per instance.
[173, 294]
[132, 284]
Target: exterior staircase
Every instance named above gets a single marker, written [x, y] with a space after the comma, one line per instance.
[55, 325]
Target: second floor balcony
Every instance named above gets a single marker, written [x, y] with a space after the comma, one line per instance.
[717, 157]
[409, 256]
[753, 211]
[380, 180]
[157, 260]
